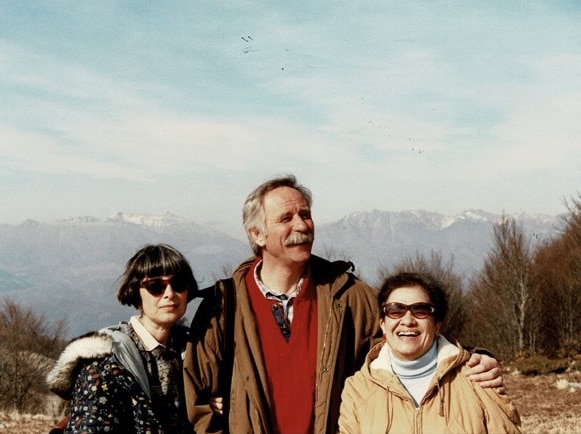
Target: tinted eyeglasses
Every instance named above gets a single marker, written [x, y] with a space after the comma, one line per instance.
[157, 285]
[398, 310]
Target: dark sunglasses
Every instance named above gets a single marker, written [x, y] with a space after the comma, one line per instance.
[157, 285]
[398, 310]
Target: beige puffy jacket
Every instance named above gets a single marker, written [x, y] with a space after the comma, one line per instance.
[374, 401]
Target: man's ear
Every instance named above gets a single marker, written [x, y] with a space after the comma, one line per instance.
[257, 236]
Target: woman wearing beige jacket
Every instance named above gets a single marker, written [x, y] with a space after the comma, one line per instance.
[415, 381]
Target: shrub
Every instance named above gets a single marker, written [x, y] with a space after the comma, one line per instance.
[28, 343]
[570, 348]
[540, 365]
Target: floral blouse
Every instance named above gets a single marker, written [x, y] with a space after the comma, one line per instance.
[107, 398]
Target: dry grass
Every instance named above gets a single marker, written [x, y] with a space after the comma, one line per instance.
[15, 423]
[544, 408]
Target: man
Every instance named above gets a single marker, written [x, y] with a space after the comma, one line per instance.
[302, 326]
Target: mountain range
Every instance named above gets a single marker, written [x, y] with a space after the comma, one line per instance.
[69, 269]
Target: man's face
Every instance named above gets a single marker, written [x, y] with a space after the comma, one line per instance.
[289, 227]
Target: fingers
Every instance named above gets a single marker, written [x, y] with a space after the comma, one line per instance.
[492, 379]
[481, 363]
[474, 360]
[217, 405]
[486, 371]
[492, 376]
[497, 384]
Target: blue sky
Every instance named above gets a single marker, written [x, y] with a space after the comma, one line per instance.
[185, 106]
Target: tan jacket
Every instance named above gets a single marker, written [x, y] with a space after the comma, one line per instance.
[347, 327]
[374, 401]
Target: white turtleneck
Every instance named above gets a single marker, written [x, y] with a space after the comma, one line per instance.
[416, 375]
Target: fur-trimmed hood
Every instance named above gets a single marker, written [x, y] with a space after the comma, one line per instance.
[93, 345]
[113, 341]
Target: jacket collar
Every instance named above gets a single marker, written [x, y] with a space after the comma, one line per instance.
[94, 345]
[334, 274]
[450, 355]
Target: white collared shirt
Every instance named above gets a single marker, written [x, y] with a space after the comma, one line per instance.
[149, 342]
[286, 301]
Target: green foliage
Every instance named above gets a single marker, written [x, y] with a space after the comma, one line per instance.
[540, 365]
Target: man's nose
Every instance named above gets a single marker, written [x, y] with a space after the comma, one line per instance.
[299, 223]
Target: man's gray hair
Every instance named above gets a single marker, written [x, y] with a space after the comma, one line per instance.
[253, 211]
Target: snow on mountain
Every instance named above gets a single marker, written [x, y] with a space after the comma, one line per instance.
[153, 221]
[377, 240]
[69, 269]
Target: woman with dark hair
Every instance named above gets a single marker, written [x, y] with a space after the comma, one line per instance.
[416, 380]
[128, 378]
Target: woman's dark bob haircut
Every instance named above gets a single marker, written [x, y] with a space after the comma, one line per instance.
[154, 260]
[433, 287]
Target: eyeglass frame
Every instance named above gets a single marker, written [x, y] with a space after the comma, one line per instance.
[410, 308]
[177, 285]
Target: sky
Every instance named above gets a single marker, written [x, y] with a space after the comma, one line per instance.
[186, 106]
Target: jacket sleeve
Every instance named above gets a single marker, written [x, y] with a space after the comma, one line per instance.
[501, 414]
[348, 411]
[366, 318]
[201, 367]
[99, 403]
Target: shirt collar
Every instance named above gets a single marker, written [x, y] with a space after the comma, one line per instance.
[149, 342]
[269, 293]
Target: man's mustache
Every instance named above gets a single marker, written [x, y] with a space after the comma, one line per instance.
[299, 238]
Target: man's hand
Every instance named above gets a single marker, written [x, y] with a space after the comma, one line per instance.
[217, 405]
[486, 371]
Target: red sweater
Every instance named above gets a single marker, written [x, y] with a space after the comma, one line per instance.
[290, 366]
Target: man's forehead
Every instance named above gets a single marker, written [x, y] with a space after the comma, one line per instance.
[285, 197]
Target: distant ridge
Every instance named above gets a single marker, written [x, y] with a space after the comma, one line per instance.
[69, 268]
[377, 239]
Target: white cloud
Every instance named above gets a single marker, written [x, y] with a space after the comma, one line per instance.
[391, 106]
